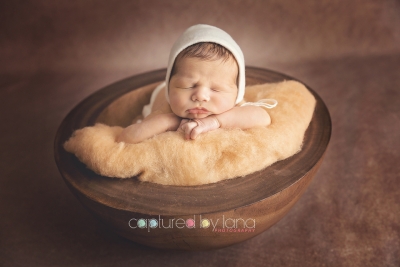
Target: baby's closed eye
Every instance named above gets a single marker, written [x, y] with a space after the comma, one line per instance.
[186, 86]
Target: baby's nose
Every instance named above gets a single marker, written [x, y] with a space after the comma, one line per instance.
[201, 94]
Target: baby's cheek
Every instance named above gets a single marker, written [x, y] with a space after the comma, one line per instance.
[225, 104]
[176, 106]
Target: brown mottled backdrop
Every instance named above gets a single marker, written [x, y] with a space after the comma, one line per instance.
[55, 53]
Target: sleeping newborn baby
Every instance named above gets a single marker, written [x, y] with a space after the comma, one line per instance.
[203, 90]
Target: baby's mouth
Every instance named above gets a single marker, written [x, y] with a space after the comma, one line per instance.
[198, 110]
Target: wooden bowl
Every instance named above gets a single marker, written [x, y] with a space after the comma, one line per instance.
[176, 217]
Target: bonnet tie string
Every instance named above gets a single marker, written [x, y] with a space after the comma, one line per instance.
[267, 103]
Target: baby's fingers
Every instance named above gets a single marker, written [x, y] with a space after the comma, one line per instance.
[204, 125]
[187, 128]
[183, 121]
[181, 127]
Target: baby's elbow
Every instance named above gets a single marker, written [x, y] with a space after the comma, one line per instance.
[265, 119]
[265, 122]
[125, 137]
[121, 138]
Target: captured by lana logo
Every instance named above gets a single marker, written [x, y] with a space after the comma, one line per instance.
[236, 225]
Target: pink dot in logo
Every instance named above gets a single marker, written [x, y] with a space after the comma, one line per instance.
[190, 223]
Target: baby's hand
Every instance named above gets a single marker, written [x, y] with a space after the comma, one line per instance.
[192, 128]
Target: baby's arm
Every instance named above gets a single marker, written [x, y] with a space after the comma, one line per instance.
[152, 125]
[244, 117]
[237, 117]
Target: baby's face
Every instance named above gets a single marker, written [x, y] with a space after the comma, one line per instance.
[200, 88]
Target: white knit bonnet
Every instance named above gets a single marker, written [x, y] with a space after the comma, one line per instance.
[206, 33]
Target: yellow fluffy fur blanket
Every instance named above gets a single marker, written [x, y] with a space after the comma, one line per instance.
[169, 159]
